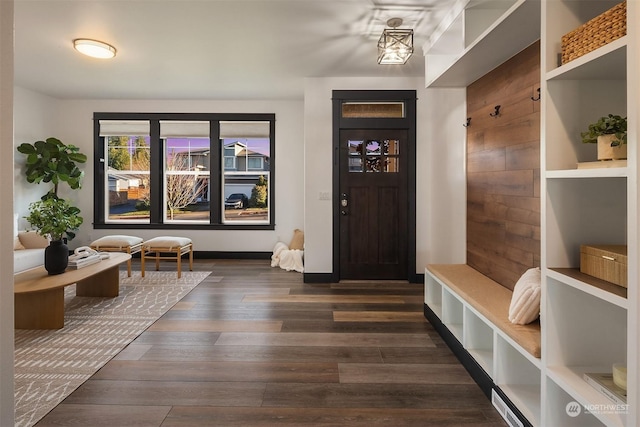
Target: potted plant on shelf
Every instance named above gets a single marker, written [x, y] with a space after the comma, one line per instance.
[58, 220]
[52, 161]
[610, 133]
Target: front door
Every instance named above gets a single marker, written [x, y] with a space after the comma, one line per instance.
[373, 203]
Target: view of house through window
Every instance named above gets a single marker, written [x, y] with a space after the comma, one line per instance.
[178, 171]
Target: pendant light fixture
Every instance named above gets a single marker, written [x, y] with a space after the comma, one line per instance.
[94, 48]
[395, 46]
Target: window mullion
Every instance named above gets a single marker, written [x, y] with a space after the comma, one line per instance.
[215, 180]
[156, 172]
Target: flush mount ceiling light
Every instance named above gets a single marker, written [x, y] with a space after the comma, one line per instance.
[395, 46]
[94, 48]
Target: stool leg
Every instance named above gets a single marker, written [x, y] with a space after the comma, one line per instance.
[129, 262]
[157, 261]
[191, 256]
[142, 257]
[179, 261]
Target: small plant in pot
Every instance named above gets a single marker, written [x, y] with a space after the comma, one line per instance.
[610, 133]
[58, 220]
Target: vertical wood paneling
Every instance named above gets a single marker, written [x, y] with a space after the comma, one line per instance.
[503, 169]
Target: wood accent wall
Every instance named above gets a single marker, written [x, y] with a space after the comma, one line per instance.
[503, 169]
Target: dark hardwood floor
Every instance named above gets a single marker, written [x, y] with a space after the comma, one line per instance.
[255, 346]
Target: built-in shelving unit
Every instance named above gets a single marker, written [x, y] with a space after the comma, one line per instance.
[476, 36]
[587, 324]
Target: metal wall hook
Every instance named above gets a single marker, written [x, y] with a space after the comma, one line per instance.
[468, 122]
[538, 98]
[496, 113]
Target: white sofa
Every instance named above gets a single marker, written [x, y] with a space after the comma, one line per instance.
[28, 251]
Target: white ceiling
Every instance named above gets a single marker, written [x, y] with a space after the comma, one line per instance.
[209, 49]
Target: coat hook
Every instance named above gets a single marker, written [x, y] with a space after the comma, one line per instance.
[468, 122]
[496, 113]
[538, 98]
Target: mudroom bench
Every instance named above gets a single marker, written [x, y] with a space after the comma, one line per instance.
[470, 311]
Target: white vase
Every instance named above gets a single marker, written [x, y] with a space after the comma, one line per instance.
[607, 152]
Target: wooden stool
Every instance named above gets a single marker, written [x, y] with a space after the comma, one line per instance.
[118, 243]
[167, 247]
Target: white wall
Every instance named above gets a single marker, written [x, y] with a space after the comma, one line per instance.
[440, 191]
[34, 119]
[73, 124]
[6, 214]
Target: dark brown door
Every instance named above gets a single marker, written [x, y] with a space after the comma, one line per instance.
[373, 204]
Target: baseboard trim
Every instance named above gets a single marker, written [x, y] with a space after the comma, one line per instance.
[318, 278]
[476, 372]
[231, 255]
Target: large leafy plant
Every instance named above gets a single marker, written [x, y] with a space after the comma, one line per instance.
[607, 125]
[53, 161]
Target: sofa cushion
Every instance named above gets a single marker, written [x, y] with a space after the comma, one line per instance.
[17, 244]
[26, 259]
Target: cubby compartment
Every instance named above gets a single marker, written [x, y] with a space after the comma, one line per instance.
[478, 340]
[433, 294]
[563, 17]
[519, 378]
[564, 410]
[588, 335]
[574, 104]
[452, 314]
[592, 211]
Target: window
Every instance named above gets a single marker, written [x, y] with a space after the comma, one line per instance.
[184, 170]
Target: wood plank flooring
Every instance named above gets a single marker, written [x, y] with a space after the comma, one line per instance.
[254, 346]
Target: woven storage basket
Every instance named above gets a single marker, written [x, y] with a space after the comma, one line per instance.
[599, 31]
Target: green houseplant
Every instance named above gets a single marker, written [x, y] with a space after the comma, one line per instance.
[52, 161]
[610, 133]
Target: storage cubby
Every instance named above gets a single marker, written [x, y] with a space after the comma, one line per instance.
[564, 410]
[478, 340]
[433, 294]
[452, 314]
[588, 333]
[583, 211]
[519, 379]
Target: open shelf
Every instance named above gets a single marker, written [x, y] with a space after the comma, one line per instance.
[478, 38]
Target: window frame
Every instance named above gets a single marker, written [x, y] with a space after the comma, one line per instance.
[156, 220]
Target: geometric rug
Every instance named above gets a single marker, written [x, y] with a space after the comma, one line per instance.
[51, 364]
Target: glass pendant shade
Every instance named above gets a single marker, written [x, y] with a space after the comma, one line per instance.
[395, 46]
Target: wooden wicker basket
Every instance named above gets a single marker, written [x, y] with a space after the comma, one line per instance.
[599, 31]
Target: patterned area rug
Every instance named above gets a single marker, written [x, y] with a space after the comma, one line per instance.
[49, 365]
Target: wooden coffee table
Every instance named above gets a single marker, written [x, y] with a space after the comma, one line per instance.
[39, 297]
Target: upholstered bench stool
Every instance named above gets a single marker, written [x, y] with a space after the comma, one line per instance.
[167, 247]
[118, 243]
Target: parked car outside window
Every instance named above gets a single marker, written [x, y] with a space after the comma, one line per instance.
[237, 201]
